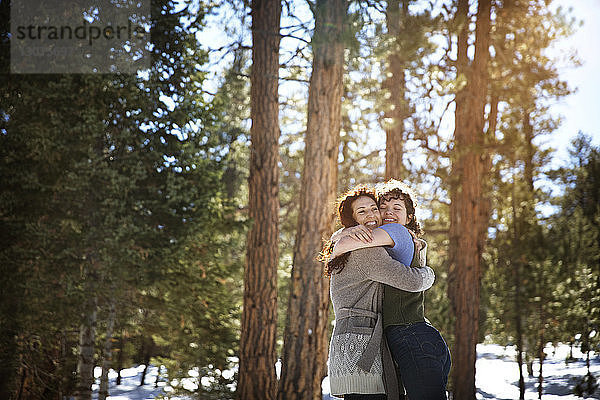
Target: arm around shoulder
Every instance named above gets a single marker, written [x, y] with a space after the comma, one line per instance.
[348, 243]
[377, 265]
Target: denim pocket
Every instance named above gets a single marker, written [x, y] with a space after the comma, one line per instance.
[431, 350]
[423, 360]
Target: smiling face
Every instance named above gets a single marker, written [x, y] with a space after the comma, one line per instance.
[393, 211]
[366, 212]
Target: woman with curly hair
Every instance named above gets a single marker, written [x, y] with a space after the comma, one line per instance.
[419, 351]
[357, 353]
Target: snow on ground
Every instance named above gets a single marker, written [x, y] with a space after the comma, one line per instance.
[497, 376]
[130, 388]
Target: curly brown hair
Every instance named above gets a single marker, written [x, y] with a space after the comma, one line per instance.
[394, 189]
[345, 214]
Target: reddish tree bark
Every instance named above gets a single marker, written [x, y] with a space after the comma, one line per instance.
[305, 341]
[395, 85]
[85, 359]
[257, 378]
[466, 220]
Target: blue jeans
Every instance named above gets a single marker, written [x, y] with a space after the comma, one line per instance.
[422, 358]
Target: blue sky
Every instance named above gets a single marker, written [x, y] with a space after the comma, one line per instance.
[581, 110]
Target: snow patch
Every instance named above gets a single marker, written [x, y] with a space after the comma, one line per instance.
[497, 376]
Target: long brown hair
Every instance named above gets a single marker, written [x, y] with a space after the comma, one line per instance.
[345, 214]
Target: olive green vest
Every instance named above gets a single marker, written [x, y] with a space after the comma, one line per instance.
[401, 307]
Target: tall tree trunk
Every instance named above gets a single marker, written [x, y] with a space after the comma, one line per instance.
[146, 353]
[257, 377]
[120, 357]
[395, 85]
[85, 362]
[516, 265]
[519, 329]
[62, 363]
[542, 342]
[530, 151]
[107, 355]
[466, 194]
[157, 380]
[485, 204]
[305, 341]
[21, 384]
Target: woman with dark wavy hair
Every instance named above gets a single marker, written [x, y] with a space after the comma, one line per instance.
[418, 349]
[360, 365]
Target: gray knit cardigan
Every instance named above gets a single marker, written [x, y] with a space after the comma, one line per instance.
[355, 352]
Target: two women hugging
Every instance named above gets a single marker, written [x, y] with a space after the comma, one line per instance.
[382, 346]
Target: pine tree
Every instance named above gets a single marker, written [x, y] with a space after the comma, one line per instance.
[523, 266]
[257, 379]
[305, 340]
[117, 184]
[408, 48]
[465, 193]
[575, 234]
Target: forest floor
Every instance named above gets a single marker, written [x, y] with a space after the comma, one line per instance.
[497, 376]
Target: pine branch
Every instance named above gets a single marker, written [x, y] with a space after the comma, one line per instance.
[295, 37]
[280, 78]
